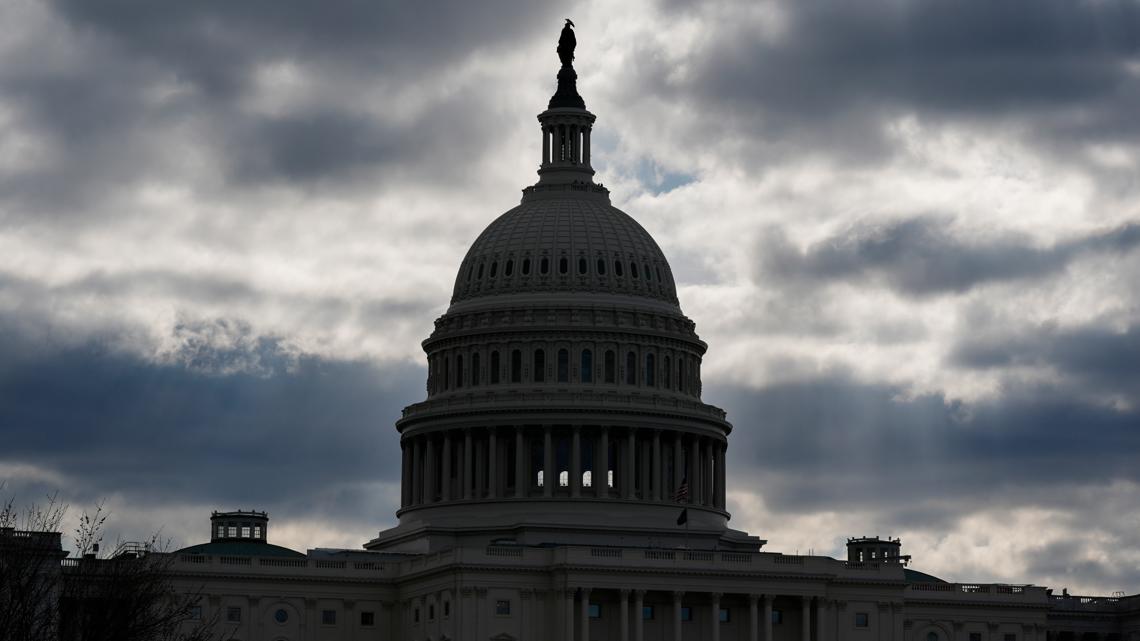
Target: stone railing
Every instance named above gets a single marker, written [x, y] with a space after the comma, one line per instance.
[352, 568]
[970, 591]
[1094, 603]
[546, 398]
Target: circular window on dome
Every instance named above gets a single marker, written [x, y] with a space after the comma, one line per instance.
[280, 616]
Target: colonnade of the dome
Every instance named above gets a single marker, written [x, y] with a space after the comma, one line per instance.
[595, 462]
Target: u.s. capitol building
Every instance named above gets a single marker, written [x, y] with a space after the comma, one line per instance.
[564, 481]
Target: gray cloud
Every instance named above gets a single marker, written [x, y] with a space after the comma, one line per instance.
[922, 256]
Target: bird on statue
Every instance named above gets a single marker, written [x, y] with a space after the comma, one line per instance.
[566, 43]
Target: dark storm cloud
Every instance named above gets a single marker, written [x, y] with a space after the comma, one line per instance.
[247, 422]
[147, 79]
[922, 256]
[1101, 359]
[840, 69]
[833, 444]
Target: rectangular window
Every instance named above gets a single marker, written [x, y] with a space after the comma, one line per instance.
[725, 615]
[257, 531]
[328, 617]
[503, 608]
[221, 531]
[245, 532]
[415, 615]
[446, 609]
[595, 611]
[647, 612]
[367, 619]
[232, 530]
[233, 615]
[777, 617]
[975, 636]
[195, 613]
[861, 620]
[431, 612]
[1010, 637]
[686, 613]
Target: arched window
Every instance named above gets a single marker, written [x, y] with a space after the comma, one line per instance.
[494, 268]
[666, 372]
[610, 366]
[544, 266]
[587, 479]
[658, 270]
[539, 366]
[587, 371]
[494, 367]
[509, 268]
[526, 267]
[601, 267]
[563, 479]
[516, 366]
[633, 269]
[563, 265]
[479, 274]
[458, 371]
[563, 366]
[581, 265]
[475, 369]
[650, 371]
[539, 478]
[617, 268]
[648, 274]
[680, 374]
[446, 372]
[630, 368]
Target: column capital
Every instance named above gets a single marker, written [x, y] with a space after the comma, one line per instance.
[716, 595]
[754, 598]
[678, 595]
[639, 593]
[624, 592]
[585, 592]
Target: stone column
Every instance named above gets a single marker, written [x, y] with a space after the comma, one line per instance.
[696, 487]
[678, 465]
[657, 471]
[445, 478]
[586, 145]
[766, 619]
[638, 615]
[576, 463]
[468, 471]
[630, 475]
[417, 472]
[753, 618]
[405, 474]
[545, 146]
[522, 479]
[720, 475]
[549, 476]
[492, 463]
[480, 468]
[677, 596]
[584, 632]
[568, 613]
[623, 615]
[805, 618]
[601, 480]
[715, 616]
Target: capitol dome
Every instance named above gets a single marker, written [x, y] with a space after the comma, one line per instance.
[564, 383]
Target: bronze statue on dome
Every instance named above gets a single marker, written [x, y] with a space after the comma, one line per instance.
[566, 43]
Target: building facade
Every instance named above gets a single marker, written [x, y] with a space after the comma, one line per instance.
[563, 479]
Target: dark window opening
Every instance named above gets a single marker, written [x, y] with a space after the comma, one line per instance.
[587, 373]
[725, 615]
[617, 268]
[648, 274]
[680, 374]
[431, 612]
[416, 615]
[475, 369]
[233, 615]
[544, 266]
[777, 616]
[647, 612]
[503, 608]
[509, 268]
[862, 620]
[975, 636]
[658, 270]
[328, 617]
[447, 608]
[563, 265]
[494, 268]
[630, 368]
[610, 366]
[539, 366]
[516, 366]
[446, 372]
[595, 610]
[470, 270]
[459, 371]
[367, 619]
[479, 275]
[526, 267]
[494, 367]
[581, 265]
[650, 371]
[563, 366]
[686, 613]
[633, 269]
[601, 266]
[667, 372]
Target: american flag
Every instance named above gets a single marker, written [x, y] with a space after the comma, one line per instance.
[682, 493]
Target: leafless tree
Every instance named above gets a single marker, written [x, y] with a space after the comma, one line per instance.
[30, 554]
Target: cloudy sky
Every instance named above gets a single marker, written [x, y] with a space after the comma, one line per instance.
[909, 232]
